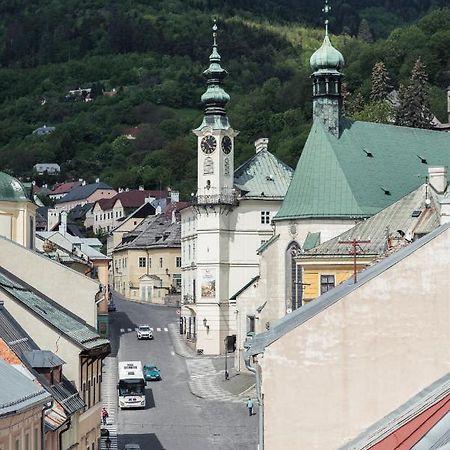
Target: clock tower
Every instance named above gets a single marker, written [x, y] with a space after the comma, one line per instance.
[215, 148]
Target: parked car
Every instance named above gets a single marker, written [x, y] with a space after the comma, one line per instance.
[111, 306]
[132, 447]
[151, 372]
[144, 332]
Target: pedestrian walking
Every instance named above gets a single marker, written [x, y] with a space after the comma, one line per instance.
[250, 407]
[105, 415]
[108, 443]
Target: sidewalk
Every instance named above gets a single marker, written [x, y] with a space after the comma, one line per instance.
[109, 400]
[207, 374]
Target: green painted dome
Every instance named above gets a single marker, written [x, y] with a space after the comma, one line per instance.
[11, 190]
[326, 57]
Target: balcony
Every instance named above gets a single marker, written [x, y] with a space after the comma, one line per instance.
[213, 197]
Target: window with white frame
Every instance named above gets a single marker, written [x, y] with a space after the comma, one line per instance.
[327, 282]
[178, 261]
[265, 217]
[142, 261]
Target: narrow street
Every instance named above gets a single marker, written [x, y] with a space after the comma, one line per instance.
[173, 419]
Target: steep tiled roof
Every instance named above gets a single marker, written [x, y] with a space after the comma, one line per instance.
[130, 199]
[21, 392]
[82, 192]
[74, 328]
[406, 217]
[263, 176]
[154, 232]
[367, 168]
[64, 188]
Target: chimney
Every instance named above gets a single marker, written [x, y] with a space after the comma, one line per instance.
[438, 179]
[97, 180]
[261, 144]
[83, 183]
[174, 196]
[174, 216]
[80, 180]
[158, 210]
[141, 188]
[52, 218]
[120, 190]
[63, 223]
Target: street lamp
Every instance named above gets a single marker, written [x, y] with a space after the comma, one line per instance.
[225, 341]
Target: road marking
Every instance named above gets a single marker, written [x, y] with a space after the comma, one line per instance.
[122, 330]
[166, 329]
[158, 329]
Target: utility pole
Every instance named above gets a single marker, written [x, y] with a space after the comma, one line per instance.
[355, 243]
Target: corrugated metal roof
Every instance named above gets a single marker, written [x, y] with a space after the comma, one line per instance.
[395, 221]
[21, 393]
[153, 232]
[263, 176]
[301, 315]
[367, 168]
[19, 341]
[70, 325]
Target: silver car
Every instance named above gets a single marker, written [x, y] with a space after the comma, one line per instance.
[144, 332]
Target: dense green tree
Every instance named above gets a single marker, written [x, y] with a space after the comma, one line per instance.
[381, 83]
[364, 32]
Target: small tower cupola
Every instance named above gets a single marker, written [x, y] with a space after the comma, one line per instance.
[327, 63]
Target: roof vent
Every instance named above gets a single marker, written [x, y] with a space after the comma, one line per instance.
[368, 154]
[269, 177]
[422, 160]
[416, 213]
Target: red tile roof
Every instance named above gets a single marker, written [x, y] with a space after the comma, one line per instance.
[64, 188]
[130, 199]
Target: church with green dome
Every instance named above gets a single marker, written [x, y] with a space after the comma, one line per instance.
[17, 212]
[347, 172]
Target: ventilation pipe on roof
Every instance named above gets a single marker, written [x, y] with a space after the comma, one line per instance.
[438, 178]
[141, 188]
[261, 144]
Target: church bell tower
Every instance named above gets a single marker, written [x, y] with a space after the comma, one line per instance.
[215, 148]
[327, 63]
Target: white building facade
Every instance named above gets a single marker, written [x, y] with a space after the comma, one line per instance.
[228, 221]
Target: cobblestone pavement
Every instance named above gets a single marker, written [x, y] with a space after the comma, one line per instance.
[109, 400]
[206, 380]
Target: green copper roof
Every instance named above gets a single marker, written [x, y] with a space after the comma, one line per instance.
[11, 190]
[263, 176]
[311, 241]
[326, 58]
[367, 168]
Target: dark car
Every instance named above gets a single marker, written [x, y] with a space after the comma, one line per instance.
[111, 306]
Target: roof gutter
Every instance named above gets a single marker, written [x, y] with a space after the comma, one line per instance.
[257, 372]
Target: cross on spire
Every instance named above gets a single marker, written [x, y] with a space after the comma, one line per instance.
[214, 28]
[326, 9]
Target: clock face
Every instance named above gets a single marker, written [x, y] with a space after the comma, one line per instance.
[226, 145]
[208, 144]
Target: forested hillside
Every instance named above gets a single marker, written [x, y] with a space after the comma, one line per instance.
[143, 62]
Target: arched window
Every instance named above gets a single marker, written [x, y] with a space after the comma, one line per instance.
[294, 286]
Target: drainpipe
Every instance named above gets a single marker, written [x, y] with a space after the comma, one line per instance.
[257, 372]
[45, 408]
[60, 447]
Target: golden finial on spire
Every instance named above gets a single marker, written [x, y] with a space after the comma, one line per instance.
[326, 9]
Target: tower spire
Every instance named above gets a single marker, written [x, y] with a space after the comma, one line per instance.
[215, 98]
[326, 9]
